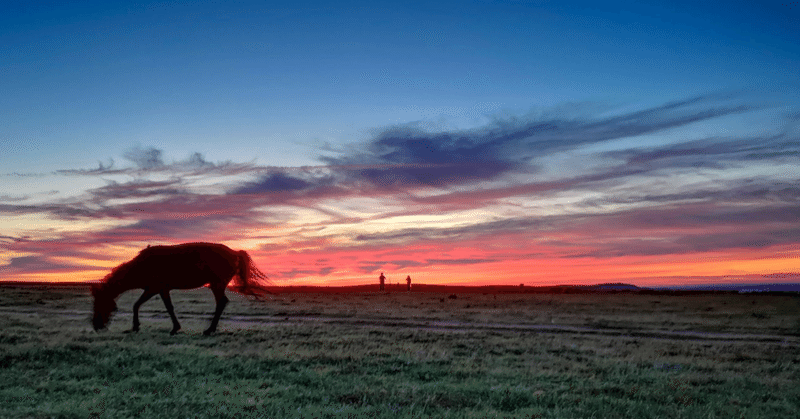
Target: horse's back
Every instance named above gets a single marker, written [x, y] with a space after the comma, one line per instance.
[189, 265]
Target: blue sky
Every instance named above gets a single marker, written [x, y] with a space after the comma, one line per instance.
[92, 90]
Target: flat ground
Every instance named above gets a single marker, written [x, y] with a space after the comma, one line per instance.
[404, 355]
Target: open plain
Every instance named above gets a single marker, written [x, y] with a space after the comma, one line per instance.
[399, 354]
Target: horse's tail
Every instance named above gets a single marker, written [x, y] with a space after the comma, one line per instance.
[251, 280]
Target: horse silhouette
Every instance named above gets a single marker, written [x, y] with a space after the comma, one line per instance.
[159, 269]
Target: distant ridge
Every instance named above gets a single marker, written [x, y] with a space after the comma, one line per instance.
[744, 288]
[616, 286]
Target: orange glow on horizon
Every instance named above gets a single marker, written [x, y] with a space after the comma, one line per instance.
[638, 270]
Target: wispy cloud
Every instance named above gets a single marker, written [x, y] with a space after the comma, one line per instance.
[408, 156]
[23, 264]
[150, 161]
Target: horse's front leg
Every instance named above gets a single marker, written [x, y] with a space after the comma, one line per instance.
[145, 296]
[222, 300]
[171, 310]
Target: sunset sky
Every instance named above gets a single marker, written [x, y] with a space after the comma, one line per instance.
[468, 142]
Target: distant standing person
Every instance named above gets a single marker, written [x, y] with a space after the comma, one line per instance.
[382, 279]
[408, 282]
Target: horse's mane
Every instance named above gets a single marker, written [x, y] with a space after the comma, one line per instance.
[119, 272]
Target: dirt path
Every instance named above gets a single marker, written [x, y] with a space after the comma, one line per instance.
[248, 320]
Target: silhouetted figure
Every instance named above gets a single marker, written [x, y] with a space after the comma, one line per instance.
[383, 280]
[159, 269]
[408, 283]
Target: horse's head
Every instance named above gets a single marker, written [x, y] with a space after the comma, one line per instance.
[104, 306]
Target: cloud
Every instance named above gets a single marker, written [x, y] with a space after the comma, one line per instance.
[65, 211]
[9, 198]
[148, 158]
[295, 272]
[681, 229]
[36, 264]
[712, 152]
[658, 225]
[24, 175]
[276, 182]
[197, 160]
[408, 156]
[150, 161]
[462, 261]
[138, 188]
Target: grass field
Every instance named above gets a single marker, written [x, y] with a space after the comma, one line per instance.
[366, 355]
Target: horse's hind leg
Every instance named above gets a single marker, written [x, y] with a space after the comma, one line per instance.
[171, 310]
[145, 296]
[222, 300]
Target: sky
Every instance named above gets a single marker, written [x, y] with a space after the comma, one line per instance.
[469, 142]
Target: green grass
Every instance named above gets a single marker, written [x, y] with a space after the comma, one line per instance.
[53, 365]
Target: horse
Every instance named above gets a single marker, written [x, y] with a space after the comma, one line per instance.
[159, 269]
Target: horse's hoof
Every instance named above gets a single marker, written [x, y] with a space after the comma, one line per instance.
[208, 332]
[131, 331]
[173, 332]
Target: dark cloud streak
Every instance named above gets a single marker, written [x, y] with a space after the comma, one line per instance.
[281, 182]
[411, 157]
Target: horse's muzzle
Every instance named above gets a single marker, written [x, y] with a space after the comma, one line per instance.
[98, 325]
